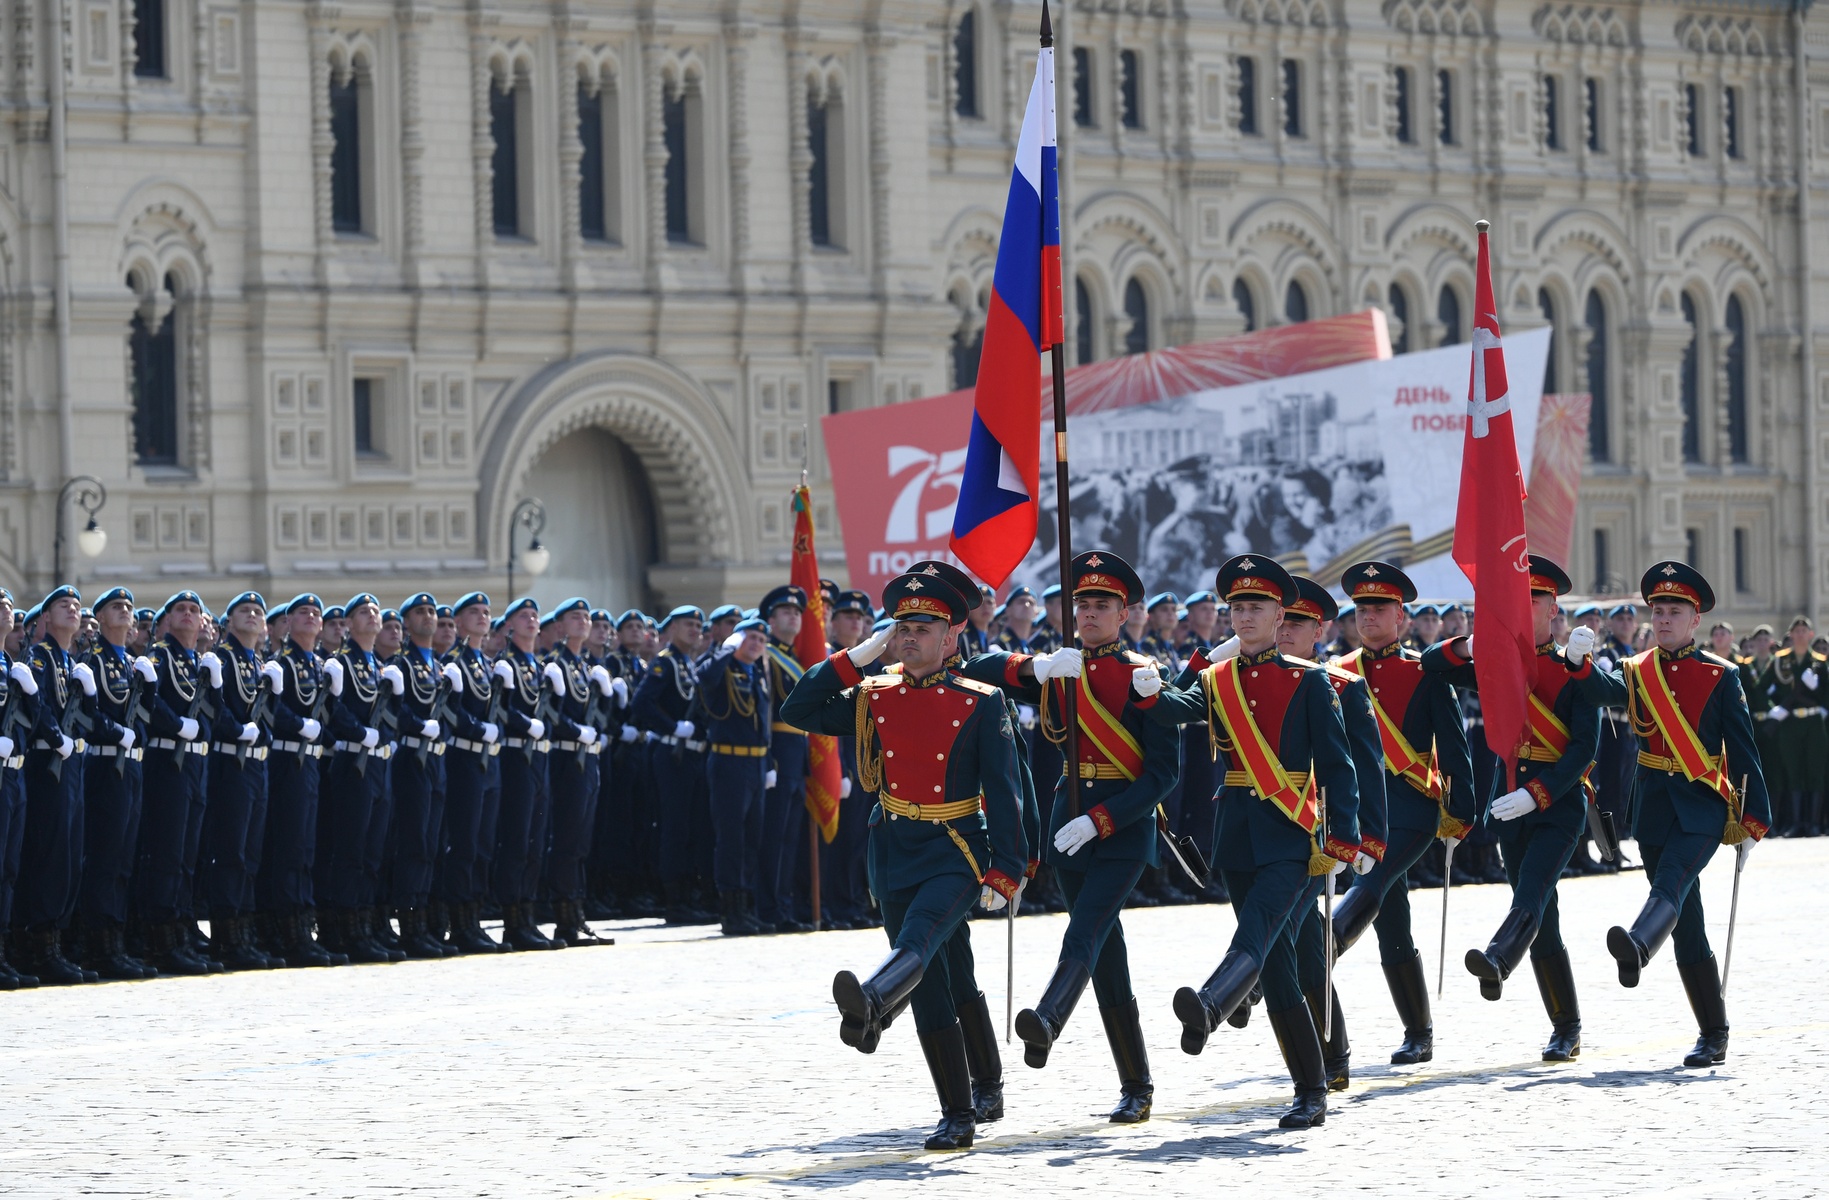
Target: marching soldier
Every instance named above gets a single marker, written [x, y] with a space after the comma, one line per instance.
[1541, 819]
[111, 795]
[1796, 684]
[784, 818]
[472, 780]
[938, 751]
[1278, 722]
[573, 769]
[417, 782]
[1428, 791]
[1694, 737]
[284, 891]
[1102, 823]
[520, 844]
[739, 710]
[354, 791]
[665, 705]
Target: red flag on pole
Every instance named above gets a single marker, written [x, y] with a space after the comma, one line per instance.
[1489, 540]
[823, 769]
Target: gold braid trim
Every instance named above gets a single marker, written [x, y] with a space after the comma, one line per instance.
[965, 850]
[1217, 741]
[869, 754]
[1056, 734]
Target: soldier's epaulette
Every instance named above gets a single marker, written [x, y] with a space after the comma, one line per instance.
[1712, 659]
[876, 683]
[1137, 660]
[1336, 672]
[972, 685]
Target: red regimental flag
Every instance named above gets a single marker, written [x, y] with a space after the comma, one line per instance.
[823, 769]
[1489, 540]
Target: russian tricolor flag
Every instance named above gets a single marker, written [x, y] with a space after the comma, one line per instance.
[994, 524]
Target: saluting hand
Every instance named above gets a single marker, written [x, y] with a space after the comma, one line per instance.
[871, 648]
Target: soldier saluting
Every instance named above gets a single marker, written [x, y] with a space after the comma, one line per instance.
[1699, 785]
[940, 753]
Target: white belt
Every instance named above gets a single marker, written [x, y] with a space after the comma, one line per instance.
[382, 752]
[178, 745]
[309, 749]
[527, 744]
[14, 763]
[133, 755]
[673, 741]
[572, 747]
[414, 743]
[476, 747]
[235, 749]
[55, 746]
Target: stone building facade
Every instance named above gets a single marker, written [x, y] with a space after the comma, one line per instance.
[346, 280]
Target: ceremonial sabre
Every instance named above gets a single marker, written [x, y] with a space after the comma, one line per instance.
[1733, 909]
[1441, 960]
[1009, 966]
[1327, 932]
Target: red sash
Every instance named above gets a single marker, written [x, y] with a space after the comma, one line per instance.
[1399, 757]
[1226, 697]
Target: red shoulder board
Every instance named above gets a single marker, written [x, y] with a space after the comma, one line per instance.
[917, 728]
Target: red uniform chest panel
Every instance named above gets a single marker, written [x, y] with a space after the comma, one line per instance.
[1692, 681]
[1551, 680]
[1269, 689]
[917, 728]
[1393, 682]
[1109, 679]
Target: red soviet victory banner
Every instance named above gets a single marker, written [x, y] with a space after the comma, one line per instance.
[1489, 540]
[823, 770]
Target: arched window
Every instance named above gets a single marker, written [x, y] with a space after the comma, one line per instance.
[1083, 349]
[1444, 107]
[1595, 318]
[1292, 98]
[825, 139]
[1400, 312]
[1245, 303]
[1691, 385]
[149, 39]
[1136, 307]
[599, 193]
[1130, 89]
[965, 65]
[682, 125]
[509, 105]
[1247, 96]
[350, 98]
[1692, 119]
[1448, 312]
[1295, 303]
[153, 350]
[1082, 88]
[1736, 381]
[1400, 81]
[1551, 377]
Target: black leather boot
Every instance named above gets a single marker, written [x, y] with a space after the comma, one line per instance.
[1241, 1016]
[47, 960]
[1124, 1031]
[415, 942]
[1201, 1011]
[519, 931]
[11, 977]
[577, 930]
[352, 938]
[299, 948]
[467, 931]
[1336, 1051]
[115, 938]
[1353, 915]
[1702, 981]
[861, 1006]
[230, 940]
[171, 951]
[982, 1059]
[1301, 1046]
[1410, 993]
[1633, 949]
[1556, 984]
[736, 922]
[380, 928]
[1039, 1026]
[1494, 965]
[680, 908]
[945, 1051]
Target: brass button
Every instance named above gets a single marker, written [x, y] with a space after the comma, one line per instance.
[889, 754]
[936, 787]
[955, 724]
[941, 757]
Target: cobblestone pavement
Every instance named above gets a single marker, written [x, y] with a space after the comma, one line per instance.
[676, 1064]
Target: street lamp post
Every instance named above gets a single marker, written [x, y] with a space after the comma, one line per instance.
[530, 515]
[91, 496]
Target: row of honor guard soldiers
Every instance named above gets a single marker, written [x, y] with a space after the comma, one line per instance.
[1335, 776]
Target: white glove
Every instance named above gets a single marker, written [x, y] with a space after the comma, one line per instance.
[768, 780]
[1065, 663]
[492, 732]
[428, 729]
[127, 740]
[683, 729]
[188, 729]
[991, 899]
[587, 736]
[1741, 852]
[454, 676]
[1146, 681]
[1074, 834]
[1025, 713]
[310, 730]
[503, 671]
[844, 787]
[212, 666]
[84, 675]
[333, 671]
[1470, 647]
[1338, 867]
[536, 728]
[1581, 644]
[630, 734]
[555, 675]
[870, 649]
[1513, 805]
[65, 747]
[732, 642]
[148, 671]
[396, 680]
[275, 674]
[6, 747]
[249, 732]
[1810, 678]
[1226, 649]
[1363, 863]
[22, 675]
[371, 737]
[1449, 844]
[1778, 712]
[601, 677]
[620, 686]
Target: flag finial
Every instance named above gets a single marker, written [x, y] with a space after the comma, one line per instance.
[1481, 225]
[1047, 27]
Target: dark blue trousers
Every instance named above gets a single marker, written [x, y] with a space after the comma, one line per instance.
[111, 830]
[572, 778]
[162, 862]
[380, 781]
[196, 778]
[922, 919]
[1268, 903]
[736, 792]
[345, 805]
[290, 852]
[234, 829]
[12, 838]
[51, 857]
[1095, 936]
[680, 792]
[1534, 856]
[418, 792]
[1673, 868]
[472, 791]
[841, 861]
[1391, 878]
[783, 828]
[520, 840]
